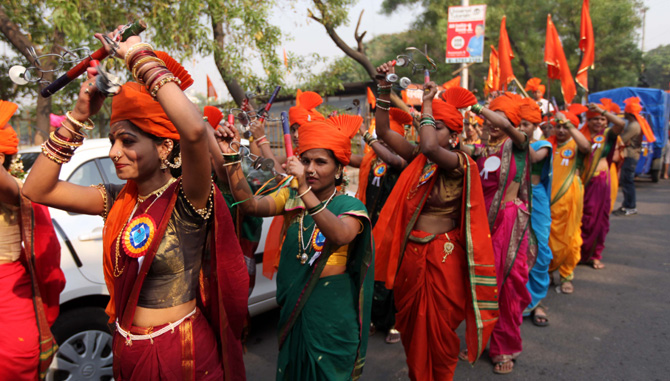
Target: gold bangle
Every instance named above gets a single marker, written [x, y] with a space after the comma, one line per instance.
[88, 125]
[136, 47]
[103, 193]
[318, 211]
[52, 155]
[163, 82]
[232, 163]
[305, 192]
[263, 142]
[63, 143]
[138, 65]
[73, 132]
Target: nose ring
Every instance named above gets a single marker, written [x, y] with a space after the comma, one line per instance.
[117, 157]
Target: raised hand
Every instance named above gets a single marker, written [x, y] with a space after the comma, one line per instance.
[122, 46]
[429, 91]
[383, 70]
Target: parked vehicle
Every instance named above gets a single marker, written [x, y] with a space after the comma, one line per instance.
[81, 329]
[656, 104]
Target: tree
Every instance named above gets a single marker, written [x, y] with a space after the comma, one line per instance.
[614, 22]
[657, 66]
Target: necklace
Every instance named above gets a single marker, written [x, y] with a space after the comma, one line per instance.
[157, 192]
[303, 246]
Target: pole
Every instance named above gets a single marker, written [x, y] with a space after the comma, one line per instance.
[464, 67]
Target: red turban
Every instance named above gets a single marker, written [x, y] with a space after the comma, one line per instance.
[135, 104]
[593, 114]
[9, 143]
[634, 107]
[305, 111]
[533, 84]
[214, 116]
[530, 111]
[334, 134]
[398, 119]
[509, 104]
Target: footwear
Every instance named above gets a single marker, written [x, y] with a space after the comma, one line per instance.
[393, 336]
[463, 355]
[539, 316]
[625, 212]
[372, 330]
[596, 264]
[630, 212]
[566, 287]
[504, 367]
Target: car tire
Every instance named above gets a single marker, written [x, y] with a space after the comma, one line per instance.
[85, 346]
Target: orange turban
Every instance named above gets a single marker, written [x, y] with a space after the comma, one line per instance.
[135, 104]
[446, 107]
[530, 111]
[305, 111]
[214, 116]
[479, 120]
[592, 114]
[634, 107]
[9, 143]
[577, 108]
[509, 104]
[334, 134]
[610, 106]
[571, 117]
[398, 119]
[533, 84]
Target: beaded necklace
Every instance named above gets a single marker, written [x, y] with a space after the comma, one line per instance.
[302, 255]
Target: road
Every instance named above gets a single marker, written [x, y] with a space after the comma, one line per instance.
[615, 326]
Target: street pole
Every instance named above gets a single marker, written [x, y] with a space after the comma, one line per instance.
[464, 67]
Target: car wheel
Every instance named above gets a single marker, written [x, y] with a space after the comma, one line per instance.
[85, 346]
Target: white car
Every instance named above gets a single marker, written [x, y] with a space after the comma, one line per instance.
[81, 329]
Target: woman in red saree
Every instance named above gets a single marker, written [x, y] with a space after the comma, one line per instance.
[433, 243]
[172, 284]
[505, 173]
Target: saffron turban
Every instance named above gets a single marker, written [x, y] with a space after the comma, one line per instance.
[9, 142]
[213, 115]
[533, 84]
[446, 108]
[305, 109]
[634, 107]
[509, 104]
[398, 119]
[334, 134]
[530, 111]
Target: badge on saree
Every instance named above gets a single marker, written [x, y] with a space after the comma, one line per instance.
[378, 172]
[491, 164]
[566, 155]
[318, 240]
[427, 174]
[139, 235]
[598, 141]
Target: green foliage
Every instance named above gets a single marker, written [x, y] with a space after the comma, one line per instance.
[614, 22]
[657, 67]
[337, 72]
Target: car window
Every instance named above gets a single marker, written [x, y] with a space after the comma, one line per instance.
[109, 170]
[28, 159]
[86, 174]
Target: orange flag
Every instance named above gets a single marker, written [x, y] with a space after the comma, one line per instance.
[587, 44]
[454, 82]
[211, 92]
[557, 65]
[371, 98]
[505, 56]
[493, 79]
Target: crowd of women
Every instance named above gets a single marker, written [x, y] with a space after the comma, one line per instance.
[465, 225]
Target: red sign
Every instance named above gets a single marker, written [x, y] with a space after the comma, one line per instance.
[465, 34]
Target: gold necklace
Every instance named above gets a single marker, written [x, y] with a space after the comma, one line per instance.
[158, 191]
[302, 248]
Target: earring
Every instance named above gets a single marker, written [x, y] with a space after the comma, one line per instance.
[164, 164]
[177, 162]
[338, 176]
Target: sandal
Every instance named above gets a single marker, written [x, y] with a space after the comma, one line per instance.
[393, 336]
[596, 264]
[566, 287]
[501, 367]
[539, 316]
[463, 355]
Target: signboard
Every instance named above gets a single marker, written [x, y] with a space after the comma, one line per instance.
[465, 34]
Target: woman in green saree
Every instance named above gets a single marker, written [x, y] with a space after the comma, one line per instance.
[325, 271]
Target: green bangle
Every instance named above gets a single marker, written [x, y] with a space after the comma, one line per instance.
[231, 157]
[384, 90]
[477, 108]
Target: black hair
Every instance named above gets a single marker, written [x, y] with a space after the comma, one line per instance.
[8, 161]
[176, 150]
[339, 181]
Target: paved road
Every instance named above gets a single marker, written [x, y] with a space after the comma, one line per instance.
[616, 326]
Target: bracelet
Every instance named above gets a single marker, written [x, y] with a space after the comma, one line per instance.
[231, 157]
[384, 91]
[73, 132]
[603, 113]
[259, 140]
[232, 163]
[263, 142]
[371, 141]
[380, 107]
[135, 47]
[385, 86]
[305, 192]
[385, 102]
[315, 208]
[74, 141]
[318, 211]
[64, 143]
[477, 108]
[139, 65]
[53, 155]
[163, 82]
[154, 75]
[88, 125]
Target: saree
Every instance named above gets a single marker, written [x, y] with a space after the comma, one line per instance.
[323, 322]
[597, 195]
[567, 198]
[540, 219]
[410, 263]
[514, 254]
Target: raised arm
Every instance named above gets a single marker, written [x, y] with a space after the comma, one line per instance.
[429, 133]
[583, 144]
[263, 143]
[618, 124]
[9, 188]
[500, 120]
[397, 143]
[388, 156]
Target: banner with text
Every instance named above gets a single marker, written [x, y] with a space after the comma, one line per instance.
[465, 34]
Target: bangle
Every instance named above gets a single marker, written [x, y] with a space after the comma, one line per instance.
[231, 157]
[477, 108]
[380, 107]
[88, 125]
[259, 140]
[263, 142]
[603, 113]
[163, 82]
[384, 91]
[135, 47]
[372, 141]
[385, 102]
[305, 192]
[384, 86]
[318, 211]
[232, 163]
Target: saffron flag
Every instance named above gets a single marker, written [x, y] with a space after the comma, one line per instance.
[286, 60]
[211, 92]
[505, 57]
[587, 45]
[372, 101]
[493, 79]
[557, 64]
[454, 82]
